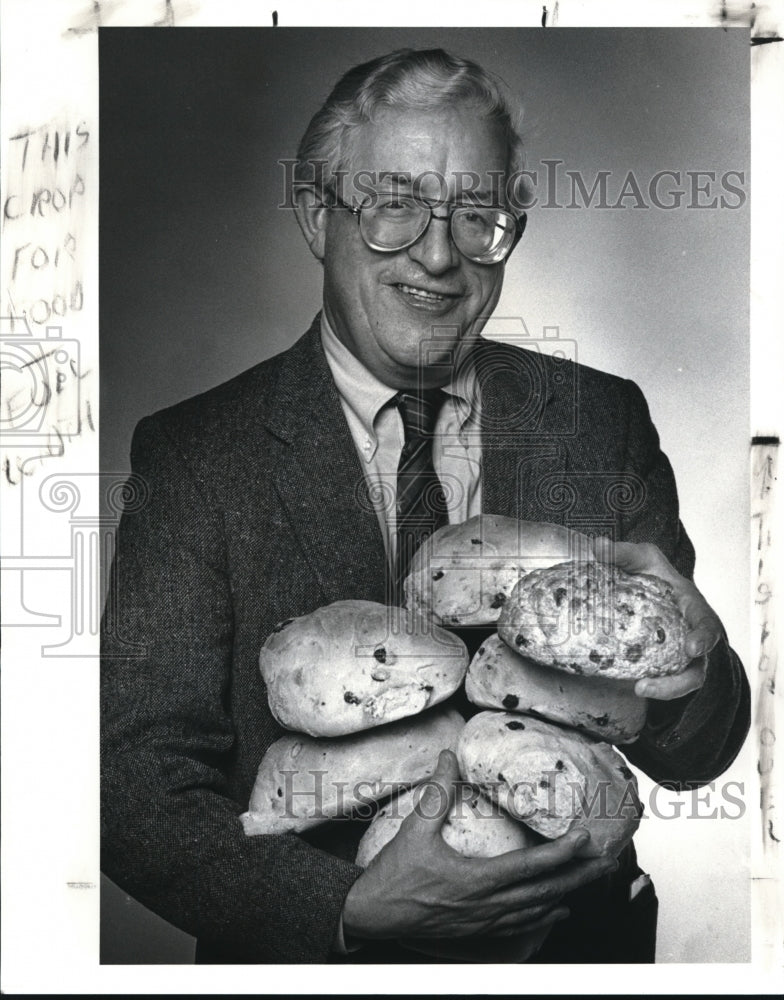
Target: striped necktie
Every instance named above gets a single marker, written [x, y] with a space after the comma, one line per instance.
[421, 504]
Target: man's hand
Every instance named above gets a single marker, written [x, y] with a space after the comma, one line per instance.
[704, 625]
[417, 886]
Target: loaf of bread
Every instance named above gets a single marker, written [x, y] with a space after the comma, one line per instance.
[552, 778]
[303, 781]
[500, 678]
[464, 573]
[474, 827]
[354, 665]
[594, 619]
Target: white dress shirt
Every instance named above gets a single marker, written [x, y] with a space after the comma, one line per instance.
[377, 430]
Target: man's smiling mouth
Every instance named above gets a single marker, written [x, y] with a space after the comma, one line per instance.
[423, 294]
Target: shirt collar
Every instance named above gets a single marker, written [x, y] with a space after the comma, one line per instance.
[365, 394]
[361, 391]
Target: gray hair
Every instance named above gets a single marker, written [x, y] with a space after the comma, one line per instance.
[410, 79]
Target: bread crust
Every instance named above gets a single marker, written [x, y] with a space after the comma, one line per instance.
[500, 678]
[474, 827]
[552, 779]
[594, 619]
[354, 665]
[463, 574]
[303, 781]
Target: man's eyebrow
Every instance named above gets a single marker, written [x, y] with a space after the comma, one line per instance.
[394, 177]
[481, 194]
[402, 177]
[384, 180]
[405, 180]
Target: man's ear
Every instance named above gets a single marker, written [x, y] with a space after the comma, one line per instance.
[311, 213]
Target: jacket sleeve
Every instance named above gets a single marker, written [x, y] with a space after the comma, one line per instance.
[171, 835]
[692, 740]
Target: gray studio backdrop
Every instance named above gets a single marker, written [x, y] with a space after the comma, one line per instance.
[203, 275]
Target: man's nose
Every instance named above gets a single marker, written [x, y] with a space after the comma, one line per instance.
[435, 249]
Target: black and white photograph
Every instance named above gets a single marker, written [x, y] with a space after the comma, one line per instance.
[420, 548]
[338, 214]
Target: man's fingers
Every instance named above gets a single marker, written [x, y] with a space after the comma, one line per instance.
[523, 918]
[550, 888]
[435, 796]
[675, 686]
[701, 640]
[528, 862]
[634, 557]
[704, 624]
[511, 924]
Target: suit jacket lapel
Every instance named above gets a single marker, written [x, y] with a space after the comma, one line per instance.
[320, 480]
[523, 410]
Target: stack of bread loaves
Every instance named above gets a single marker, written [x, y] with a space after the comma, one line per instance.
[360, 684]
[573, 636]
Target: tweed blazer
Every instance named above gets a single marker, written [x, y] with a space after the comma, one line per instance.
[253, 513]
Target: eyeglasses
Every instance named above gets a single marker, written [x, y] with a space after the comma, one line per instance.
[393, 222]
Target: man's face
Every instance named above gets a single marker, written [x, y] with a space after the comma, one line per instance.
[383, 306]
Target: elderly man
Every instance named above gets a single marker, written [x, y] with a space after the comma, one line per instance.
[264, 503]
